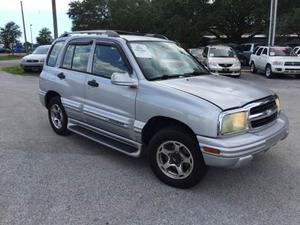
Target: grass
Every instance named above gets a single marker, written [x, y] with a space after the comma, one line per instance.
[10, 57]
[17, 70]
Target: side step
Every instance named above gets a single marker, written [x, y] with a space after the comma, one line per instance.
[131, 149]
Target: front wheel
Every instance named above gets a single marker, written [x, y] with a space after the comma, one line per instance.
[175, 158]
[268, 71]
[253, 68]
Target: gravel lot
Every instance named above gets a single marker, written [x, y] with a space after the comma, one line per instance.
[48, 179]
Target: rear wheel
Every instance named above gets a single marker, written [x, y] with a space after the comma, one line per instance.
[253, 67]
[175, 158]
[57, 116]
[268, 71]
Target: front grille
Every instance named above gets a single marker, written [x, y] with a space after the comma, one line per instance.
[32, 60]
[225, 65]
[292, 63]
[263, 114]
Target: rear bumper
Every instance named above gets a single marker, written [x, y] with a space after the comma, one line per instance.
[240, 150]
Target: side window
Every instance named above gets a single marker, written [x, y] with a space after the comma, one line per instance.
[77, 57]
[81, 57]
[259, 51]
[265, 51]
[67, 63]
[107, 60]
[52, 58]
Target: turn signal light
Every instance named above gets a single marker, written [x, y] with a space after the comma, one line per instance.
[211, 150]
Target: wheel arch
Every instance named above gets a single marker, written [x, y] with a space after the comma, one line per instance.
[159, 122]
[49, 96]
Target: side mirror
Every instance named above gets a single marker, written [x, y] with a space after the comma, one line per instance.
[123, 79]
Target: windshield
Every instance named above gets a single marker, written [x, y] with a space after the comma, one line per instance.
[41, 50]
[164, 60]
[221, 52]
[282, 51]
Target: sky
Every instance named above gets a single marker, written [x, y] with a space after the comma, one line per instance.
[36, 12]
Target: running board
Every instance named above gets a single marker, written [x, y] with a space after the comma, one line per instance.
[132, 149]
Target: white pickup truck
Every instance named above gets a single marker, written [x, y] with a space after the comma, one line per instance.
[275, 60]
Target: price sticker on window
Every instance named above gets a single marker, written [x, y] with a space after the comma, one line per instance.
[141, 51]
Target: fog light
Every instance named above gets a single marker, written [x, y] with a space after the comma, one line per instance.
[211, 150]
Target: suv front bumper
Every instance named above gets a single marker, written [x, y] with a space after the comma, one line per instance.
[239, 150]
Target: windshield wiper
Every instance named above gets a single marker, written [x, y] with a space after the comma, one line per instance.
[165, 77]
[194, 73]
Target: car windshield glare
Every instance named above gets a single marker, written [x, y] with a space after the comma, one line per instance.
[40, 50]
[282, 51]
[221, 52]
[164, 60]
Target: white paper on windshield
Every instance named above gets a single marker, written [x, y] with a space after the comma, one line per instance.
[141, 51]
[211, 54]
[272, 53]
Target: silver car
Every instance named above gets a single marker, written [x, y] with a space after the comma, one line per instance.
[222, 60]
[146, 95]
[35, 61]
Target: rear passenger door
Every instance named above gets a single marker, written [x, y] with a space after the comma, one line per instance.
[73, 72]
[109, 107]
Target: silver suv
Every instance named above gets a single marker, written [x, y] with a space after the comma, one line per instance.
[141, 94]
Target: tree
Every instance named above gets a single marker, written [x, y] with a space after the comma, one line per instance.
[235, 18]
[9, 34]
[44, 37]
[289, 23]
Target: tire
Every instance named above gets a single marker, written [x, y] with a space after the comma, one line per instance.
[253, 68]
[162, 150]
[268, 72]
[57, 116]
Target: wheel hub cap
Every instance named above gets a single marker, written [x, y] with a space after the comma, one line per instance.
[175, 160]
[56, 116]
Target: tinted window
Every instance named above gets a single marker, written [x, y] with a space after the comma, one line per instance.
[81, 57]
[68, 57]
[52, 58]
[259, 51]
[265, 52]
[107, 60]
[246, 48]
[205, 52]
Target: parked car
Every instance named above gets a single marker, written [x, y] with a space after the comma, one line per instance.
[248, 49]
[297, 50]
[35, 61]
[197, 53]
[222, 60]
[139, 94]
[275, 60]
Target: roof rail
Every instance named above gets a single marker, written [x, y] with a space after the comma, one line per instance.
[112, 33]
[109, 33]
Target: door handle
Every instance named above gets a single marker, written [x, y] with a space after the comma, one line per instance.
[61, 76]
[93, 83]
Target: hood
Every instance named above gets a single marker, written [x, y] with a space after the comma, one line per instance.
[35, 57]
[226, 60]
[224, 92]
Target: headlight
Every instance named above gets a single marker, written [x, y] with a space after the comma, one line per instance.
[210, 63]
[237, 63]
[277, 101]
[277, 63]
[233, 122]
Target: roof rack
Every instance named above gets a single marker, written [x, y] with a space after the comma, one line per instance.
[112, 33]
[109, 33]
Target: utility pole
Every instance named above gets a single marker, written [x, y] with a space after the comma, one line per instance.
[54, 18]
[31, 36]
[272, 26]
[26, 47]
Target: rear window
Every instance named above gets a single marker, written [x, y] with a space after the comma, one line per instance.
[246, 48]
[55, 50]
[77, 57]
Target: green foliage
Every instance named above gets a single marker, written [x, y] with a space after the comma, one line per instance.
[44, 37]
[9, 34]
[9, 57]
[290, 22]
[17, 70]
